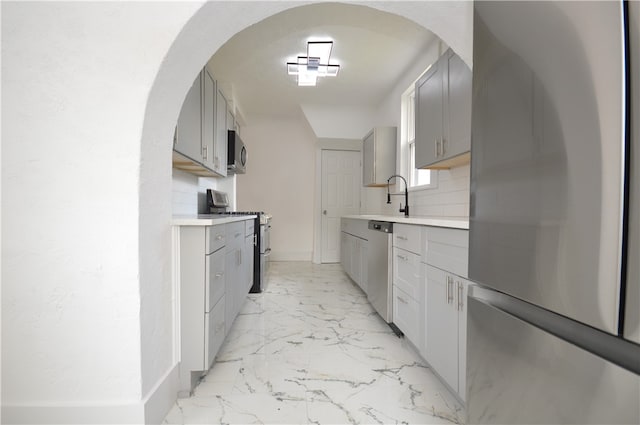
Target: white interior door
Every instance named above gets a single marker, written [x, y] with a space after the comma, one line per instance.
[341, 181]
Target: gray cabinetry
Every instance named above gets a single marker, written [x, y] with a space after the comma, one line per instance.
[188, 135]
[354, 249]
[408, 290]
[220, 155]
[208, 117]
[200, 140]
[444, 259]
[201, 268]
[443, 114]
[379, 156]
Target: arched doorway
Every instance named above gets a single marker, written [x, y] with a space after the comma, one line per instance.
[204, 33]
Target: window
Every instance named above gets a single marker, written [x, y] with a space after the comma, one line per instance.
[417, 177]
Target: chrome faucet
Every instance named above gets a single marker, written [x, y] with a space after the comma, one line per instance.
[405, 210]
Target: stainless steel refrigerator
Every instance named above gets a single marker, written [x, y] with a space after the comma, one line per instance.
[553, 324]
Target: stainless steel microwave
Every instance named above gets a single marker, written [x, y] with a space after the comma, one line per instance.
[236, 154]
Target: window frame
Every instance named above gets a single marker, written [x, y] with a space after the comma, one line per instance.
[408, 159]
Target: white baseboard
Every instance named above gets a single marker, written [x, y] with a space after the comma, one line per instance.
[290, 256]
[162, 397]
[69, 414]
[152, 410]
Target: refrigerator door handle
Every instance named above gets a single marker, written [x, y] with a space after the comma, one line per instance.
[610, 347]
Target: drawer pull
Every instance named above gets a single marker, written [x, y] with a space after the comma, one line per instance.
[401, 300]
[403, 238]
[402, 257]
[219, 275]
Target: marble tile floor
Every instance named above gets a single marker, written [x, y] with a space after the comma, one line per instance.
[311, 350]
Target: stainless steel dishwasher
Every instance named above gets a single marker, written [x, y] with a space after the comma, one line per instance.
[378, 268]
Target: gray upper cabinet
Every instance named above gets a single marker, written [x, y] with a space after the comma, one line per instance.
[188, 136]
[220, 156]
[200, 141]
[379, 156]
[443, 114]
[208, 117]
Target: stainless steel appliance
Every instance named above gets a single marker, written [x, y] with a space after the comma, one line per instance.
[236, 154]
[264, 249]
[553, 325]
[218, 203]
[378, 270]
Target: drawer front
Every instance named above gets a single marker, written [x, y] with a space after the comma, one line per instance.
[214, 333]
[406, 272]
[406, 315]
[234, 235]
[215, 238]
[448, 249]
[249, 227]
[215, 278]
[407, 237]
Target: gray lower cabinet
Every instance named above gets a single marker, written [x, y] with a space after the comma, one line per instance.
[354, 248]
[202, 299]
[443, 114]
[215, 271]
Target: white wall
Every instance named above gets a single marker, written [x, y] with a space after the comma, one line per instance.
[280, 180]
[347, 122]
[91, 93]
[74, 95]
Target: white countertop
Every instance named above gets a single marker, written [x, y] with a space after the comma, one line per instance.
[453, 222]
[208, 219]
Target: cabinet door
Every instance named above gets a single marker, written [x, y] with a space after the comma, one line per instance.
[231, 282]
[442, 326]
[214, 332]
[459, 107]
[364, 264]
[368, 160]
[208, 118]
[214, 278]
[463, 286]
[344, 251]
[220, 148]
[247, 263]
[356, 261]
[188, 139]
[406, 315]
[406, 272]
[428, 119]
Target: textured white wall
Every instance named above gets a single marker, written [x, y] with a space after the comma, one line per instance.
[91, 93]
[74, 95]
[281, 181]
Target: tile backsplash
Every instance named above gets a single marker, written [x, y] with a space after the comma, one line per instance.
[449, 199]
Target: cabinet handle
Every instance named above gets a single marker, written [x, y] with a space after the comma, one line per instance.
[449, 290]
[435, 144]
[446, 289]
[218, 275]
[443, 142]
[401, 300]
[204, 152]
[237, 234]
[460, 296]
[402, 257]
[403, 238]
[219, 237]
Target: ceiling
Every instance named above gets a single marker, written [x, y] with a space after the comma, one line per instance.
[373, 49]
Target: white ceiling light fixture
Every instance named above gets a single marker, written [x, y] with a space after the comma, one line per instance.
[315, 64]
